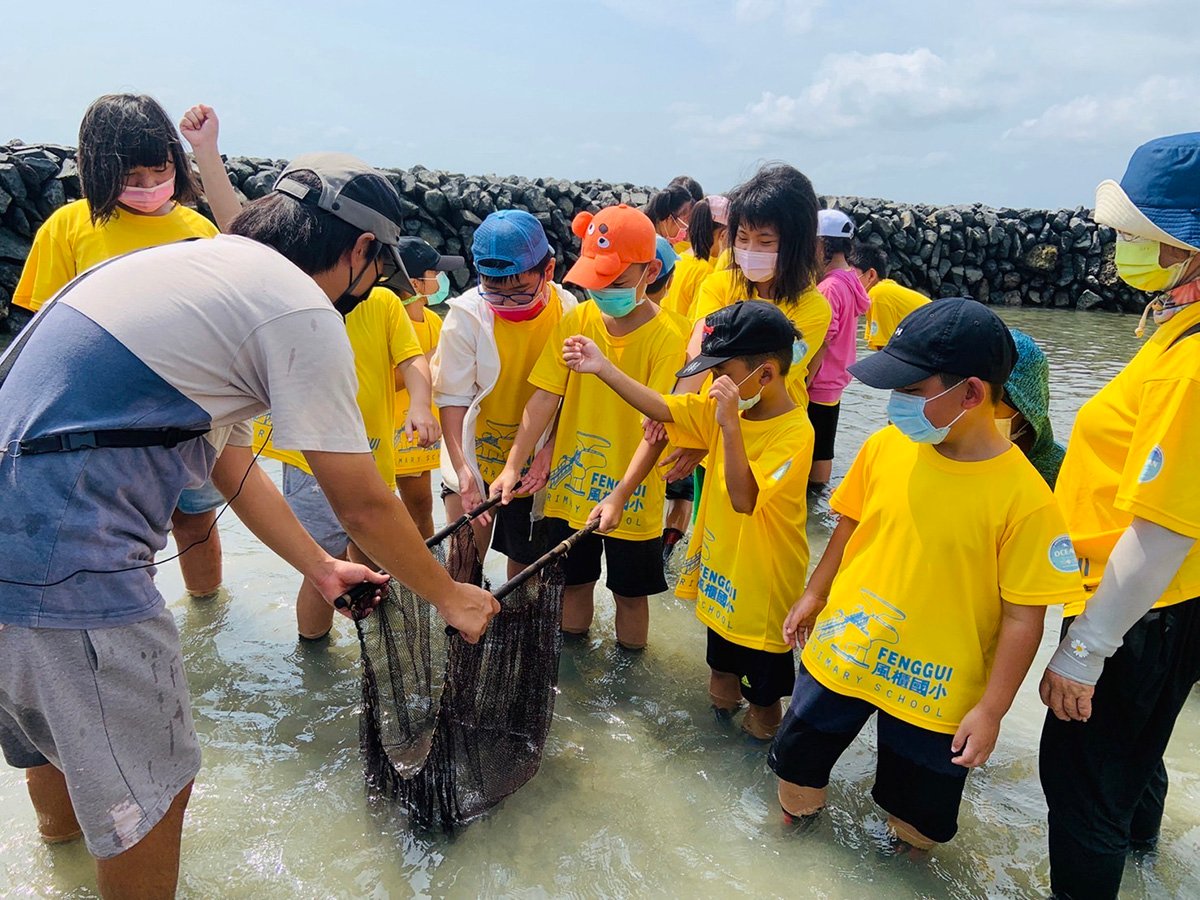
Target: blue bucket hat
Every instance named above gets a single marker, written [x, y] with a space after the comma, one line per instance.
[508, 242]
[1159, 197]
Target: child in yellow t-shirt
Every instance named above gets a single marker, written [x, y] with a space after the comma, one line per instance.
[386, 355]
[136, 178]
[414, 460]
[890, 302]
[749, 554]
[927, 606]
[597, 433]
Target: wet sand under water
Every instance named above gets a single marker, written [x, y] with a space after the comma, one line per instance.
[641, 791]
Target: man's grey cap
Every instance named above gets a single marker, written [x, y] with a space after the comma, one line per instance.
[336, 171]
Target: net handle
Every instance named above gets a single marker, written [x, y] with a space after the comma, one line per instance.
[450, 528]
[554, 553]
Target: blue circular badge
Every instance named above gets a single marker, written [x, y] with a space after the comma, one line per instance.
[1154, 464]
[1062, 554]
[799, 351]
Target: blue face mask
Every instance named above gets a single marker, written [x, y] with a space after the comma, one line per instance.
[907, 412]
[615, 302]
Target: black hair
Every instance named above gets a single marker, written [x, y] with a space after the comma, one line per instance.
[504, 281]
[835, 245]
[690, 184]
[995, 388]
[313, 239]
[780, 195]
[120, 132]
[865, 257]
[661, 283]
[782, 358]
[702, 230]
[667, 202]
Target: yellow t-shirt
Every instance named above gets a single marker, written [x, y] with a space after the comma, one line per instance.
[746, 571]
[381, 336]
[411, 457]
[914, 612]
[598, 432]
[810, 314]
[68, 244]
[520, 345]
[1132, 453]
[890, 302]
[685, 285]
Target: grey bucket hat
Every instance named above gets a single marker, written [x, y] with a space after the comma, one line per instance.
[359, 195]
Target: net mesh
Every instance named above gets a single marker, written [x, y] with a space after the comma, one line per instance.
[449, 729]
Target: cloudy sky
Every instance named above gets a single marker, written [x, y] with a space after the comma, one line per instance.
[1019, 102]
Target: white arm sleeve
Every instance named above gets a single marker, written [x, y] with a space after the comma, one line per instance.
[1142, 564]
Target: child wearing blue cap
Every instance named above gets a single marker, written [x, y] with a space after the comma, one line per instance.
[491, 338]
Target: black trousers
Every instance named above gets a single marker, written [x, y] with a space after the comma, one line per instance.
[1104, 779]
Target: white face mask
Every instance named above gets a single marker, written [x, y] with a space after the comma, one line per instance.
[757, 265]
[1005, 427]
[749, 402]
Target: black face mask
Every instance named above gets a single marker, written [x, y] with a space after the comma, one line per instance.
[348, 300]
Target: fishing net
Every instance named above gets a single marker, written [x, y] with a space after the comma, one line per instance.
[449, 729]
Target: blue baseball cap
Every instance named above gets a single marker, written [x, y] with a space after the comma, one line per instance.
[666, 255]
[1159, 197]
[508, 242]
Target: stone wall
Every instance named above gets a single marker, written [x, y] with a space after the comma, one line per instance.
[1050, 258]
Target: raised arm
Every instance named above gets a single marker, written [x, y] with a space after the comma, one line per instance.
[199, 128]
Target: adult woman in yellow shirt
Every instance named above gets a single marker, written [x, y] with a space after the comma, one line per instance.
[135, 178]
[1131, 653]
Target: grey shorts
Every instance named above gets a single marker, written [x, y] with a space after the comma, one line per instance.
[109, 708]
[194, 501]
[308, 502]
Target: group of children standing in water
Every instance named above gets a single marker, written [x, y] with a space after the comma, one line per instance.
[705, 366]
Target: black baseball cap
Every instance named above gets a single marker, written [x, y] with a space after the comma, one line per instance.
[419, 257]
[957, 336]
[748, 328]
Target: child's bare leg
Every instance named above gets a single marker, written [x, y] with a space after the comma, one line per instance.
[763, 721]
[55, 814]
[910, 835]
[417, 494]
[633, 621]
[724, 690]
[800, 801]
[578, 608]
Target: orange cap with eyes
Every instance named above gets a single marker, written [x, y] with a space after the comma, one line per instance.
[613, 239]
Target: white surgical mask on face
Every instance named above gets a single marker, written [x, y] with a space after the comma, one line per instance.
[749, 402]
[757, 265]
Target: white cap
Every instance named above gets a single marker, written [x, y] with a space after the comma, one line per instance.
[834, 223]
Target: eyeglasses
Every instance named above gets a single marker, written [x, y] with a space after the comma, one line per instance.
[389, 266]
[521, 298]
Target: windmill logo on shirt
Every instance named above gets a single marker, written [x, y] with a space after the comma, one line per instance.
[574, 473]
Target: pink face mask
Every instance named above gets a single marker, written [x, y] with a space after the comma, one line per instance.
[521, 313]
[148, 200]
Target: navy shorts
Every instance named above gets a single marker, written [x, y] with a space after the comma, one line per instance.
[635, 568]
[915, 780]
[683, 489]
[763, 676]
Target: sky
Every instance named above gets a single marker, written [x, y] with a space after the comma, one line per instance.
[1008, 102]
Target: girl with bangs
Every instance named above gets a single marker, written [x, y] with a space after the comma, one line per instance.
[136, 180]
[772, 233]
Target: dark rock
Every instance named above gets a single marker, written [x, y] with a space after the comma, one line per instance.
[11, 181]
[18, 221]
[1041, 258]
[12, 247]
[1089, 300]
[1011, 298]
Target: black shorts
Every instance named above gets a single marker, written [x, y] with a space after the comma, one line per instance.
[764, 676]
[683, 489]
[635, 568]
[915, 780]
[514, 533]
[824, 422]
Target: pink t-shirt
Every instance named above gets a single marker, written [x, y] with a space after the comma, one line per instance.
[848, 300]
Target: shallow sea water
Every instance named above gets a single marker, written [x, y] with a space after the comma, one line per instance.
[641, 791]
